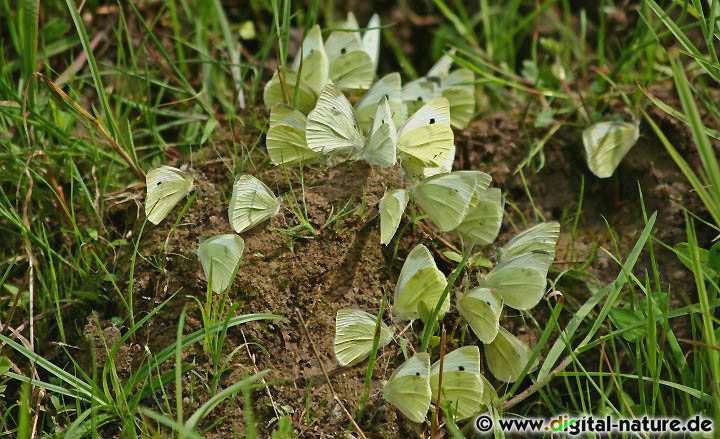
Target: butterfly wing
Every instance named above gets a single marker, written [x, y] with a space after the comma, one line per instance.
[381, 147]
[520, 281]
[392, 205]
[426, 139]
[419, 281]
[332, 126]
[389, 86]
[354, 335]
[445, 198]
[315, 63]
[462, 385]
[459, 89]
[481, 308]
[252, 202]
[539, 238]
[285, 139]
[606, 143]
[507, 356]
[371, 39]
[351, 68]
[166, 186]
[482, 222]
[220, 258]
[415, 170]
[417, 93]
[352, 71]
[283, 86]
[408, 388]
[441, 68]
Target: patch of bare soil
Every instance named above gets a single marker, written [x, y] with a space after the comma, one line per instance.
[345, 266]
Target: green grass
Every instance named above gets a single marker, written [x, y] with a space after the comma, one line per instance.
[82, 120]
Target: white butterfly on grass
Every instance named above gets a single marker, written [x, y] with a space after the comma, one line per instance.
[481, 308]
[520, 277]
[507, 356]
[166, 186]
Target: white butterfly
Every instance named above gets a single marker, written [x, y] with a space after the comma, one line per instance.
[252, 202]
[482, 222]
[285, 139]
[389, 87]
[391, 205]
[520, 281]
[420, 281]
[606, 143]
[462, 385]
[458, 87]
[446, 198]
[425, 139]
[507, 356]
[312, 67]
[220, 258]
[353, 58]
[332, 128]
[354, 336]
[408, 388]
[166, 186]
[539, 238]
[481, 308]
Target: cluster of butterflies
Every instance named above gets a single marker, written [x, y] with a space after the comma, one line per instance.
[518, 281]
[252, 202]
[390, 123]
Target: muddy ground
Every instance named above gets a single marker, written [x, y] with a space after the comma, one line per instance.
[345, 266]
